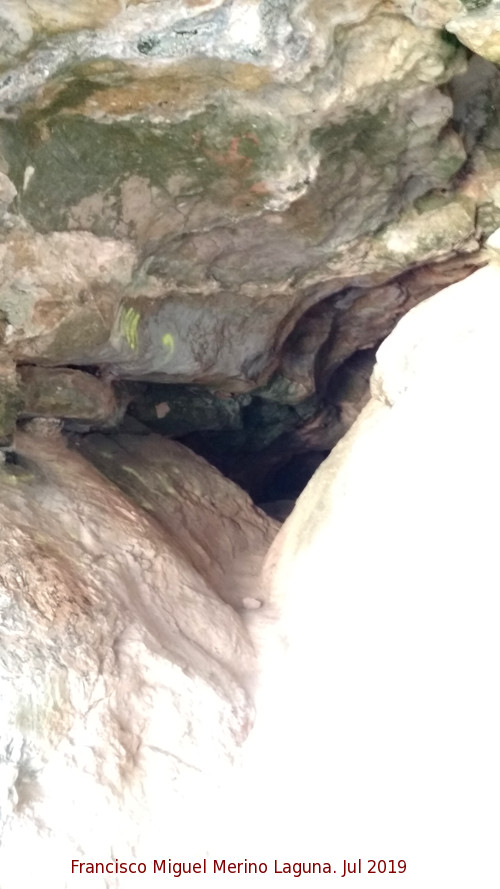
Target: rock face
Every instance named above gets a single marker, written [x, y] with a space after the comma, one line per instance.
[212, 213]
[213, 523]
[391, 547]
[478, 28]
[124, 676]
[180, 183]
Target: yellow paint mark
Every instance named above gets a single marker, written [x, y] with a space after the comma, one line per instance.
[168, 343]
[129, 323]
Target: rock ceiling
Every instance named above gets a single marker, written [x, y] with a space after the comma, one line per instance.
[229, 200]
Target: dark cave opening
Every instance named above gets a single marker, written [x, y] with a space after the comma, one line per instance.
[270, 448]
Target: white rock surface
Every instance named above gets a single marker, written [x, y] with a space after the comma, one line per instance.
[123, 677]
[388, 580]
[479, 29]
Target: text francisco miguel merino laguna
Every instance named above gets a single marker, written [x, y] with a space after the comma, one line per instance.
[223, 866]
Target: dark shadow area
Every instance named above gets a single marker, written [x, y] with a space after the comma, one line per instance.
[270, 448]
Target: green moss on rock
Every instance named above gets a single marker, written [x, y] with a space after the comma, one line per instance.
[475, 4]
[371, 134]
[73, 157]
[10, 407]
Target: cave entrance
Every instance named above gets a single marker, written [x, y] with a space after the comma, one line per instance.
[270, 448]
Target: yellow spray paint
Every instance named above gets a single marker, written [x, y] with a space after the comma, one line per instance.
[168, 343]
[129, 323]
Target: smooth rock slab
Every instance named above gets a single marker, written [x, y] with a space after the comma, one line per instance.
[212, 521]
[387, 578]
[123, 676]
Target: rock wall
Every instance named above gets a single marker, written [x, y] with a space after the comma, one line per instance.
[125, 679]
[212, 212]
[387, 581]
[180, 183]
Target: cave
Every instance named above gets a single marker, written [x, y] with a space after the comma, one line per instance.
[249, 277]
[269, 447]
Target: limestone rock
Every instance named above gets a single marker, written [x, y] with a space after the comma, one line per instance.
[8, 192]
[478, 28]
[407, 361]
[213, 151]
[493, 247]
[123, 675]
[392, 547]
[360, 318]
[69, 395]
[475, 94]
[212, 521]
[482, 185]
[430, 12]
[175, 411]
[235, 201]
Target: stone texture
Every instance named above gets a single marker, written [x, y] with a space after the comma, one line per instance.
[176, 411]
[430, 12]
[213, 522]
[8, 192]
[478, 28]
[392, 548]
[264, 441]
[124, 677]
[354, 319]
[68, 395]
[476, 95]
[363, 318]
[59, 294]
[216, 210]
[211, 155]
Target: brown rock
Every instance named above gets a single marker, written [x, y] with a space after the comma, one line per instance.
[68, 394]
[212, 521]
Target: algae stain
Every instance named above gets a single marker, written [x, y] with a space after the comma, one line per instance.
[129, 323]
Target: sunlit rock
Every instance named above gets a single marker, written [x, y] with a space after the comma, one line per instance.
[478, 27]
[212, 213]
[391, 548]
[236, 155]
[213, 522]
[124, 676]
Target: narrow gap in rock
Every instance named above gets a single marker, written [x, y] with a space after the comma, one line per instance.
[270, 448]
